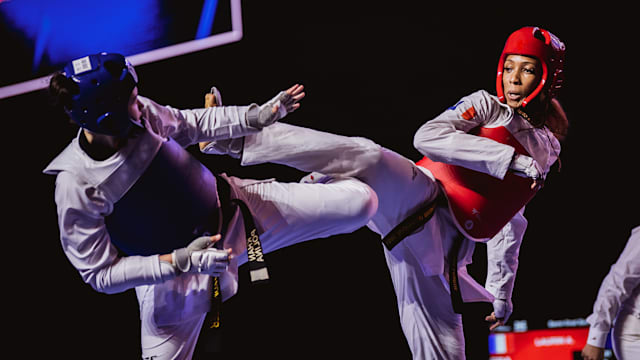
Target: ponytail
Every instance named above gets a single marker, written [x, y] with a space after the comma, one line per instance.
[557, 120]
[61, 90]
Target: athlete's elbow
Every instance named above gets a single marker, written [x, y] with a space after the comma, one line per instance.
[103, 288]
[432, 138]
[418, 141]
[101, 283]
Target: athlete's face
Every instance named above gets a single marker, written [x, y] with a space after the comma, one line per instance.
[520, 77]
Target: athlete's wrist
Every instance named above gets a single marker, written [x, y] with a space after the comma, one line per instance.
[168, 258]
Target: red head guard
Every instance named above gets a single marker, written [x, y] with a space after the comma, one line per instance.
[543, 45]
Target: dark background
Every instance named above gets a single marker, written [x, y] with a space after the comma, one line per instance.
[375, 71]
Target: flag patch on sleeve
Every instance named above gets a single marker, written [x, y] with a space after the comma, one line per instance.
[469, 114]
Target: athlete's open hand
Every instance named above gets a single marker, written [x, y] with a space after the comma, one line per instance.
[275, 109]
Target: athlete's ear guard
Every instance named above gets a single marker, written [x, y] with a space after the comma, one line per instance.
[542, 45]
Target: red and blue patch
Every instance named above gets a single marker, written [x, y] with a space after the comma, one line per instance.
[468, 114]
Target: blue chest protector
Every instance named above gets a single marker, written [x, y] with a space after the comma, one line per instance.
[174, 201]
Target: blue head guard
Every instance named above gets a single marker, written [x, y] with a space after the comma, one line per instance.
[105, 82]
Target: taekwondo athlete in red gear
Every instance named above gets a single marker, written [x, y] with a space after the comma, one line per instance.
[126, 185]
[418, 263]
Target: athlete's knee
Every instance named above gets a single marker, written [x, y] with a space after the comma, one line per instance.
[363, 204]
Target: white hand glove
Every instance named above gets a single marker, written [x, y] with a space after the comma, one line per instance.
[502, 309]
[272, 111]
[200, 257]
[526, 166]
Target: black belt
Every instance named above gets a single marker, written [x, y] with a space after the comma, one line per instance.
[257, 265]
[454, 282]
[209, 340]
[409, 225]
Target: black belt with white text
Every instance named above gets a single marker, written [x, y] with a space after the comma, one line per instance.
[209, 339]
[257, 266]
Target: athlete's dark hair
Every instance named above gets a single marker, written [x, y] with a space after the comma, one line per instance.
[61, 90]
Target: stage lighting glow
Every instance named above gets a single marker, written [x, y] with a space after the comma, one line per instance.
[39, 36]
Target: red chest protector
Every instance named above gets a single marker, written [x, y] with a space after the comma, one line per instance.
[480, 203]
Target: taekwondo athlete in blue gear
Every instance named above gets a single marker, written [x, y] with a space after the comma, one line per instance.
[128, 216]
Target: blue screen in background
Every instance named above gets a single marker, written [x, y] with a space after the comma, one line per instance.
[40, 36]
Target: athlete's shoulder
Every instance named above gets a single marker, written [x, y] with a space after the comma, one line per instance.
[67, 160]
[481, 103]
